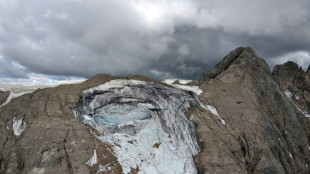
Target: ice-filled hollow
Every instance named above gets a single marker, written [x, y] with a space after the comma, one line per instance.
[145, 123]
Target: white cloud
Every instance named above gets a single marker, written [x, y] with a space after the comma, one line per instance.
[183, 50]
[41, 79]
[302, 58]
[82, 38]
[265, 17]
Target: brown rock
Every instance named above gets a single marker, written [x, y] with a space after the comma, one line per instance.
[176, 82]
[3, 96]
[54, 141]
[264, 132]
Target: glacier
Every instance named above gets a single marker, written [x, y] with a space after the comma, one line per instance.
[145, 124]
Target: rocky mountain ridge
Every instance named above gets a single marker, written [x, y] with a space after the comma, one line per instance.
[247, 120]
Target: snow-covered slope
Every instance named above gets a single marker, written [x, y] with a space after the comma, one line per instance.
[145, 123]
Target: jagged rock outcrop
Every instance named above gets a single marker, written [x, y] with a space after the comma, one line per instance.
[264, 131]
[3, 96]
[295, 81]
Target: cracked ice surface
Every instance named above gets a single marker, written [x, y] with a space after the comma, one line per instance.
[145, 123]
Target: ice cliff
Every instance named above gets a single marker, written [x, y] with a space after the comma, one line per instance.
[145, 123]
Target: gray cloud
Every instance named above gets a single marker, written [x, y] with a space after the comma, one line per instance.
[160, 39]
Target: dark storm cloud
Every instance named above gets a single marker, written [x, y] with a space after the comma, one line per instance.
[161, 39]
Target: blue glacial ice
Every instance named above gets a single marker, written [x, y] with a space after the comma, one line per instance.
[145, 123]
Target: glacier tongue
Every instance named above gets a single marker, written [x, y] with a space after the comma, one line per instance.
[145, 123]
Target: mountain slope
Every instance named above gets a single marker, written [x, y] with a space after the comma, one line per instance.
[265, 132]
[40, 135]
[240, 119]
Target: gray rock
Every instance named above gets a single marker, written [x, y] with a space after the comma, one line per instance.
[294, 80]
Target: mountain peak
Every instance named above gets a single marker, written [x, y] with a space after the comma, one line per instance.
[246, 53]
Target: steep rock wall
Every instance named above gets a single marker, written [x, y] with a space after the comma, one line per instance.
[264, 131]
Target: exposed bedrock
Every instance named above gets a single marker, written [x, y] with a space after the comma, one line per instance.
[264, 133]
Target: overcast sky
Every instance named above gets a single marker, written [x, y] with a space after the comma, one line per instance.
[65, 39]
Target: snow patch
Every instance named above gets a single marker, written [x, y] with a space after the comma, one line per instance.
[38, 170]
[213, 111]
[170, 81]
[7, 127]
[296, 97]
[14, 95]
[18, 126]
[93, 160]
[119, 83]
[104, 168]
[291, 155]
[194, 89]
[305, 113]
[289, 95]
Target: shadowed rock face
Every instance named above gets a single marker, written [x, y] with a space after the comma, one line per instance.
[260, 123]
[264, 131]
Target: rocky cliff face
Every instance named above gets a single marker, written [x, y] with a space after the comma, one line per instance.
[264, 133]
[241, 118]
[295, 82]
